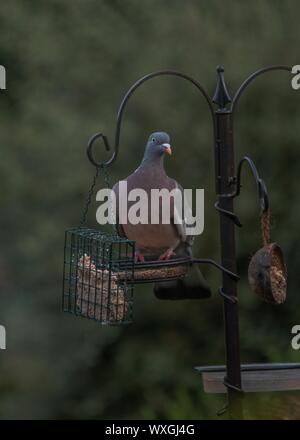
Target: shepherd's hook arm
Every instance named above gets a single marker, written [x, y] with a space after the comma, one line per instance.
[252, 77]
[261, 186]
[122, 106]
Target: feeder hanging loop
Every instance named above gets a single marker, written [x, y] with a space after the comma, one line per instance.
[90, 149]
[261, 186]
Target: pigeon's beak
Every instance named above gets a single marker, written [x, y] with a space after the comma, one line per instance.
[167, 148]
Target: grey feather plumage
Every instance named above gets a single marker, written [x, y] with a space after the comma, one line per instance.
[157, 240]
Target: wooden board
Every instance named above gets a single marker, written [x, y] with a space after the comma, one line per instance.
[255, 381]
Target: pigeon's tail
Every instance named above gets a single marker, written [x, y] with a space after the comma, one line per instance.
[192, 286]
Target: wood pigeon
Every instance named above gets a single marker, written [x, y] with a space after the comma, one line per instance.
[160, 241]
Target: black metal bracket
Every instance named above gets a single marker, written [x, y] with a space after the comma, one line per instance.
[151, 264]
[261, 189]
[264, 205]
[120, 113]
[227, 213]
[221, 98]
[250, 78]
[261, 186]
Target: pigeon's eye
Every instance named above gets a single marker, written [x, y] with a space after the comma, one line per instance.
[153, 139]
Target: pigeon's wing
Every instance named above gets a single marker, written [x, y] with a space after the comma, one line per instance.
[119, 227]
[181, 225]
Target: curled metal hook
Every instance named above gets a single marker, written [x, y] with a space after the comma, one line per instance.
[122, 108]
[229, 214]
[261, 186]
[90, 148]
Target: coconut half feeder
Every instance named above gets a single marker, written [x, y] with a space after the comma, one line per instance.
[267, 272]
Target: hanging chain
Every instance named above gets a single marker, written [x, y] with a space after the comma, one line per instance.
[106, 176]
[91, 192]
[89, 198]
[107, 182]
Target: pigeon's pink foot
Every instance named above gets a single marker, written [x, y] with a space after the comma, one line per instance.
[138, 256]
[167, 255]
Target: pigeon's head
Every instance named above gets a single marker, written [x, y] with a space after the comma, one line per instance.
[158, 145]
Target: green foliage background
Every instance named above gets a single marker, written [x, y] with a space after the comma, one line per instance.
[68, 65]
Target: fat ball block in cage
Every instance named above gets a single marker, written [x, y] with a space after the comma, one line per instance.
[98, 276]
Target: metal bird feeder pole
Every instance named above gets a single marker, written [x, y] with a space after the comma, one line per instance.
[225, 181]
[234, 376]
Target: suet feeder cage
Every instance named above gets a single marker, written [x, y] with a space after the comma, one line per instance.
[98, 276]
